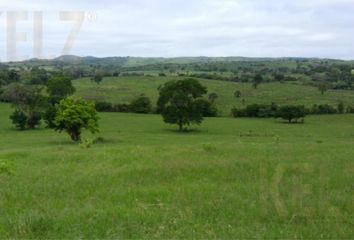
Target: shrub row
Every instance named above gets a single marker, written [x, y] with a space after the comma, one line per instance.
[141, 105]
[256, 110]
[269, 111]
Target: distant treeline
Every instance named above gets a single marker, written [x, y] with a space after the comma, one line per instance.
[333, 74]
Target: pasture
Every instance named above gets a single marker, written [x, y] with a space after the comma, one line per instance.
[229, 178]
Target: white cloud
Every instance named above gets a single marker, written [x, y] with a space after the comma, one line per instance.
[316, 28]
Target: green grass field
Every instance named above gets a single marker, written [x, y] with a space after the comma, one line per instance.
[124, 89]
[146, 180]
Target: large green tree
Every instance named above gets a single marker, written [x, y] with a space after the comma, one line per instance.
[178, 102]
[74, 115]
[291, 113]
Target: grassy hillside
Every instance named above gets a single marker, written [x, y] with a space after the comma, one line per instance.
[124, 89]
[148, 181]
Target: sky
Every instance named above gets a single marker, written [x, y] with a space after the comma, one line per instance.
[173, 28]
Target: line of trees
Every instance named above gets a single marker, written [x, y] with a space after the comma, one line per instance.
[288, 112]
[180, 102]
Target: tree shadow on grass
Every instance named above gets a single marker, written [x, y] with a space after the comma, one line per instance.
[96, 142]
[38, 129]
[191, 131]
[291, 123]
[300, 121]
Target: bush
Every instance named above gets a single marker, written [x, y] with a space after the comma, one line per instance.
[341, 107]
[123, 108]
[19, 119]
[256, 111]
[104, 107]
[7, 167]
[253, 110]
[86, 143]
[22, 121]
[238, 113]
[323, 109]
[142, 104]
[350, 109]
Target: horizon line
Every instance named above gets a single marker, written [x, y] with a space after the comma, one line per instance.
[175, 57]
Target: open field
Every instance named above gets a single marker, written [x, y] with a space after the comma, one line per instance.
[124, 89]
[148, 181]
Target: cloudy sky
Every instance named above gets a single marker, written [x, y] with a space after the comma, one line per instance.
[170, 28]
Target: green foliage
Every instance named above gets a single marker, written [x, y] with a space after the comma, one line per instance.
[104, 107]
[237, 94]
[208, 147]
[256, 111]
[86, 143]
[324, 109]
[179, 104]
[19, 119]
[9, 76]
[34, 120]
[141, 104]
[350, 109]
[73, 115]
[38, 76]
[341, 107]
[208, 109]
[97, 78]
[162, 75]
[258, 79]
[60, 87]
[28, 103]
[213, 97]
[323, 87]
[7, 167]
[49, 115]
[291, 113]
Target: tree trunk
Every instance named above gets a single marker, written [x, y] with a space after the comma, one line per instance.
[75, 135]
[180, 124]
